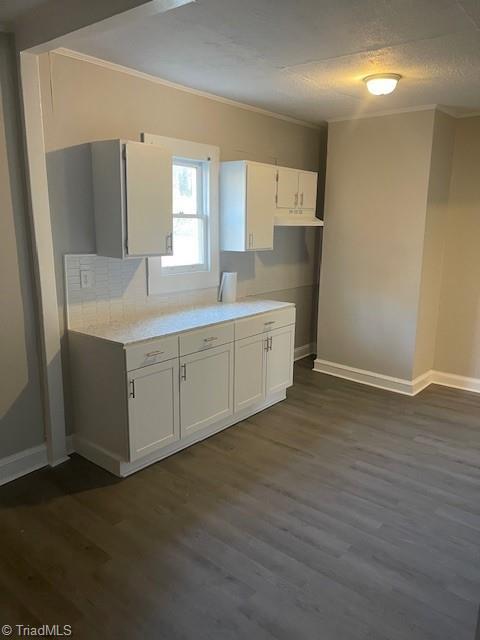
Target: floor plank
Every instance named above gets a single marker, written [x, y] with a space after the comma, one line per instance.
[343, 513]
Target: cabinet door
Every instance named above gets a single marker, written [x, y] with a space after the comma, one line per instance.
[250, 355]
[206, 388]
[148, 185]
[307, 190]
[280, 359]
[260, 203]
[287, 188]
[153, 410]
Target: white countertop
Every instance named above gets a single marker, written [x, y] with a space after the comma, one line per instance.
[158, 326]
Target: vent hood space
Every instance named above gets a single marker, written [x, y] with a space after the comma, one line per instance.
[293, 220]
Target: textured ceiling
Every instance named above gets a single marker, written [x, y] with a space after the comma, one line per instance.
[306, 58]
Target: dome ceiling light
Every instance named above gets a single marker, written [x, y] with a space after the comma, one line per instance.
[381, 84]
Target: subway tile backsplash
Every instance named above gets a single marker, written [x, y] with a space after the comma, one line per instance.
[118, 291]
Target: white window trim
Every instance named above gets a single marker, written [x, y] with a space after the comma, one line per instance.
[166, 280]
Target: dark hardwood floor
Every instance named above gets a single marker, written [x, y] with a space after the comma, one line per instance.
[343, 513]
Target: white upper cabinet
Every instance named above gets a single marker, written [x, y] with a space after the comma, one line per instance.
[296, 198]
[132, 184]
[247, 205]
[287, 188]
[307, 190]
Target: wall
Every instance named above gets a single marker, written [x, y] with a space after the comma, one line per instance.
[458, 335]
[434, 242]
[375, 211]
[82, 102]
[20, 392]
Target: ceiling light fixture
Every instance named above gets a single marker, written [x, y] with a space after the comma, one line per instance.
[381, 84]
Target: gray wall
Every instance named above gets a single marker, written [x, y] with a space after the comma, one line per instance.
[458, 334]
[20, 391]
[375, 211]
[434, 242]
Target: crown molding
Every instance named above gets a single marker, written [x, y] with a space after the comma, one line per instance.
[391, 112]
[386, 112]
[113, 66]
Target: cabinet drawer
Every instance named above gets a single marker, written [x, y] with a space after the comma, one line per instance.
[207, 338]
[146, 353]
[264, 322]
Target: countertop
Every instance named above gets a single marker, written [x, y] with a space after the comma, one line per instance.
[161, 325]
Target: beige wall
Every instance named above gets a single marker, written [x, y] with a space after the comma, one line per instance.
[20, 391]
[434, 242]
[83, 102]
[375, 208]
[458, 335]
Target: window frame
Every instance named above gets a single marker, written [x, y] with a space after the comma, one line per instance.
[202, 215]
[170, 279]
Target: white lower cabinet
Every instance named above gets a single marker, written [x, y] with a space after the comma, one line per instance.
[263, 366]
[206, 388]
[280, 359]
[137, 403]
[153, 408]
[250, 357]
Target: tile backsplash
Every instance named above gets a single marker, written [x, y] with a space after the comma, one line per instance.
[117, 291]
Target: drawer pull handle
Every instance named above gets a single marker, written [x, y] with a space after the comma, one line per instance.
[211, 339]
[269, 322]
[150, 354]
[183, 372]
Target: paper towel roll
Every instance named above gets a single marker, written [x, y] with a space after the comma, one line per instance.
[228, 287]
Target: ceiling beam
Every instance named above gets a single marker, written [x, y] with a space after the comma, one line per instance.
[48, 25]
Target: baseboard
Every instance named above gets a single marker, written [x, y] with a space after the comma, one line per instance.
[370, 378]
[304, 351]
[397, 385]
[456, 382]
[19, 464]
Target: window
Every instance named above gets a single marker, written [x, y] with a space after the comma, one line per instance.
[194, 263]
[190, 220]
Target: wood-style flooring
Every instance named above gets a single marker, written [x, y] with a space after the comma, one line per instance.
[343, 513]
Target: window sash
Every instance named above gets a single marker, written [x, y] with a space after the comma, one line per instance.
[200, 266]
[200, 168]
[201, 215]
